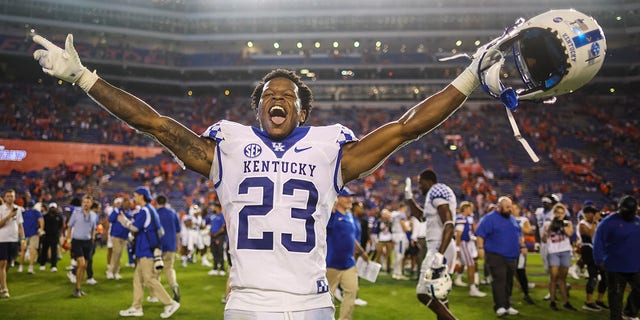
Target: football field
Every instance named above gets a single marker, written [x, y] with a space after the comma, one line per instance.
[47, 295]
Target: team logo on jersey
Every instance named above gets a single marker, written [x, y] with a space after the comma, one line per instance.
[323, 286]
[277, 146]
[252, 150]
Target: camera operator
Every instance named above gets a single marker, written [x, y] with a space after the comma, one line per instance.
[147, 229]
[556, 235]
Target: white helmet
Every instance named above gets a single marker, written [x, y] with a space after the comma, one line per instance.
[555, 53]
[435, 283]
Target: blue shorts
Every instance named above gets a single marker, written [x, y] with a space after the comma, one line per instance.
[562, 259]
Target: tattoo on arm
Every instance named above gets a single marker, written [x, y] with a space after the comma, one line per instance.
[181, 141]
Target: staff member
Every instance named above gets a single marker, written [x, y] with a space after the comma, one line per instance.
[145, 226]
[615, 249]
[500, 242]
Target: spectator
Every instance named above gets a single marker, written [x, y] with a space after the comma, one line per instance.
[615, 247]
[11, 233]
[556, 234]
[500, 242]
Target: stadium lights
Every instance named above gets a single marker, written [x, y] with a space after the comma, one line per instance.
[250, 44]
[336, 44]
[189, 93]
[356, 44]
[227, 92]
[317, 45]
[477, 43]
[458, 43]
[276, 45]
[299, 45]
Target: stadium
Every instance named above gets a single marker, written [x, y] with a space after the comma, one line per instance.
[367, 63]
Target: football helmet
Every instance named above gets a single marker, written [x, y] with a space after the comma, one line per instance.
[194, 209]
[554, 53]
[436, 283]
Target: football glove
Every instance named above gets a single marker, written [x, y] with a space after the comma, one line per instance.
[408, 193]
[64, 63]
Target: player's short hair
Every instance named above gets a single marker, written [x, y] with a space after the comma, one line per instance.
[304, 92]
[8, 191]
[559, 205]
[465, 204]
[429, 175]
[161, 200]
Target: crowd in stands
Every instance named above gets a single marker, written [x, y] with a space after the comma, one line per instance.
[592, 157]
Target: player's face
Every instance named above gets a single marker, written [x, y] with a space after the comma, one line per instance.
[279, 109]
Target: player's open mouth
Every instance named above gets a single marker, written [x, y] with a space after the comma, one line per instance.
[278, 114]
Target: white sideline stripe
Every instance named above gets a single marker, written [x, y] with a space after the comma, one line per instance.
[31, 294]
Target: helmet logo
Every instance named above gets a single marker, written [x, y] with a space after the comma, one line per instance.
[557, 19]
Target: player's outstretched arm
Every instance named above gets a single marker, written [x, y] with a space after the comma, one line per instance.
[362, 157]
[196, 153]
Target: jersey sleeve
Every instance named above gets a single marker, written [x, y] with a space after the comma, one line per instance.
[440, 195]
[214, 132]
[345, 135]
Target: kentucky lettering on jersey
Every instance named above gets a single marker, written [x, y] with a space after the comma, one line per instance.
[304, 169]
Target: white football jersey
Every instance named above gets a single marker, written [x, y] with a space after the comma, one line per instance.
[277, 198]
[437, 195]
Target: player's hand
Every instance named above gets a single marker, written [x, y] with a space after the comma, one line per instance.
[64, 63]
[408, 193]
[435, 260]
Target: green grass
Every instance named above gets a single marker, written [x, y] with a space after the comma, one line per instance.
[47, 295]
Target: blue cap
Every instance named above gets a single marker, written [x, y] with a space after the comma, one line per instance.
[144, 191]
[588, 203]
[345, 192]
[31, 203]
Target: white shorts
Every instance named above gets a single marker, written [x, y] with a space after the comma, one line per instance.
[193, 240]
[319, 314]
[449, 254]
[468, 252]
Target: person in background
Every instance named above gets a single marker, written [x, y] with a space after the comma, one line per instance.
[467, 247]
[147, 229]
[556, 234]
[33, 225]
[117, 238]
[521, 270]
[11, 233]
[439, 205]
[615, 248]
[170, 242]
[586, 229]
[218, 238]
[81, 231]
[341, 246]
[53, 226]
[500, 242]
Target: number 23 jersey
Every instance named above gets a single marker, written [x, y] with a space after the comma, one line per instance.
[277, 198]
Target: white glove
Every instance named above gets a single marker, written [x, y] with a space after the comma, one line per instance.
[408, 193]
[434, 261]
[63, 64]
